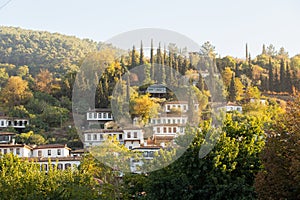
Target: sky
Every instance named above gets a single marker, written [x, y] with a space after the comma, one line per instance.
[227, 24]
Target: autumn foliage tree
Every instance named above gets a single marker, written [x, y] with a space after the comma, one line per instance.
[16, 92]
[280, 178]
[43, 81]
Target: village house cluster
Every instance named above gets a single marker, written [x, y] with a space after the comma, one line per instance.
[161, 130]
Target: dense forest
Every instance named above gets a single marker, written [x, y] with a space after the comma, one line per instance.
[256, 156]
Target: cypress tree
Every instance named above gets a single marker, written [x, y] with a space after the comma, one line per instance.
[152, 60]
[141, 54]
[200, 83]
[282, 76]
[247, 52]
[133, 61]
[276, 83]
[232, 90]
[264, 51]
[289, 86]
[271, 76]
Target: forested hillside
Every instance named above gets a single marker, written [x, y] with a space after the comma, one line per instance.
[41, 49]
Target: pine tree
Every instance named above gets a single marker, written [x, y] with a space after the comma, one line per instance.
[271, 76]
[232, 90]
[282, 77]
[141, 54]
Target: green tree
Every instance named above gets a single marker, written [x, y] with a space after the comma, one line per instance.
[232, 90]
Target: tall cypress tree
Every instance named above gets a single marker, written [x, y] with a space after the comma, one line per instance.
[276, 82]
[264, 51]
[247, 52]
[289, 86]
[232, 90]
[282, 76]
[200, 83]
[152, 60]
[141, 54]
[271, 76]
[133, 61]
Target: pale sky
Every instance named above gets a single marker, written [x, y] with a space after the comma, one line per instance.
[227, 24]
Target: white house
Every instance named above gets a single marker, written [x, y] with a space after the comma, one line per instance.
[133, 137]
[178, 105]
[21, 150]
[99, 116]
[61, 163]
[7, 137]
[169, 119]
[147, 154]
[51, 150]
[261, 101]
[230, 107]
[13, 122]
[168, 129]
[95, 137]
[156, 89]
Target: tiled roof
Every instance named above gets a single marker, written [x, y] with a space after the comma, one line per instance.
[14, 145]
[51, 146]
[7, 133]
[103, 131]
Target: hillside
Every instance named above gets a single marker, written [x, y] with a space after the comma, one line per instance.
[41, 49]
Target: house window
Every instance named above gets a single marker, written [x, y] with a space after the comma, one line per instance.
[135, 134]
[178, 121]
[145, 153]
[88, 137]
[120, 136]
[90, 115]
[39, 153]
[5, 151]
[150, 154]
[168, 107]
[130, 147]
[0, 151]
[101, 137]
[59, 152]
[169, 121]
[109, 115]
[174, 129]
[158, 129]
[67, 165]
[60, 166]
[95, 137]
[95, 115]
[2, 123]
[170, 129]
[183, 121]
[164, 121]
[174, 121]
[11, 150]
[49, 152]
[128, 135]
[165, 129]
[99, 115]
[18, 151]
[184, 107]
[158, 121]
[44, 167]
